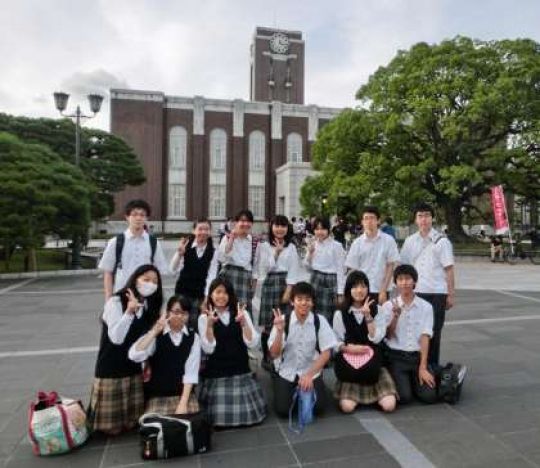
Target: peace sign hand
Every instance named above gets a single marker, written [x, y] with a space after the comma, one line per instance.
[366, 308]
[241, 314]
[396, 310]
[211, 316]
[160, 324]
[182, 246]
[279, 320]
[279, 246]
[133, 305]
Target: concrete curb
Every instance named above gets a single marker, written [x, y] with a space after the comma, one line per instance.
[49, 274]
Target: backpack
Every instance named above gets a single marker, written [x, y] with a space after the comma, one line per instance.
[121, 240]
[450, 382]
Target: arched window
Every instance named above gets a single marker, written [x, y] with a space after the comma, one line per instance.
[294, 147]
[177, 173]
[256, 183]
[217, 196]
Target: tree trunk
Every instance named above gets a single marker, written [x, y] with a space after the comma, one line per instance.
[32, 257]
[454, 217]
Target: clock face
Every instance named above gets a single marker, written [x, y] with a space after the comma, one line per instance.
[279, 43]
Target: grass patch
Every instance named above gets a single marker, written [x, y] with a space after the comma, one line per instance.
[47, 260]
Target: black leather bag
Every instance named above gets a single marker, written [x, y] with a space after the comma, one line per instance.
[174, 435]
[450, 382]
[367, 374]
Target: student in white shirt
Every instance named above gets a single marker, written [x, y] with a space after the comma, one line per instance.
[299, 351]
[230, 393]
[237, 255]
[139, 248]
[409, 321]
[174, 354]
[430, 252]
[196, 262]
[375, 253]
[326, 261]
[117, 398]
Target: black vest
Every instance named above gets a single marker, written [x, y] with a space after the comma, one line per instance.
[112, 360]
[192, 279]
[168, 365]
[356, 333]
[230, 357]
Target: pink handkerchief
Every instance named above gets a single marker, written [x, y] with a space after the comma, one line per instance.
[356, 361]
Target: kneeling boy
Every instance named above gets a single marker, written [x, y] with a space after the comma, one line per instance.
[300, 344]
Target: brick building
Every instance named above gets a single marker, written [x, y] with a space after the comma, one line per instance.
[213, 157]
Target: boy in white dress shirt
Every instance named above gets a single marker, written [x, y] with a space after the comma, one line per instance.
[299, 351]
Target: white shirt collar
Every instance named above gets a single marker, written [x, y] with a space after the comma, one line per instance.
[129, 235]
[167, 329]
[309, 319]
[377, 235]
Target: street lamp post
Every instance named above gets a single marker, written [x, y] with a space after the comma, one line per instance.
[61, 100]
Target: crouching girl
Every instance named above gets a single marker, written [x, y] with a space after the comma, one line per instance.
[174, 354]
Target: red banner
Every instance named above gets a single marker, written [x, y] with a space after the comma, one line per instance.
[498, 204]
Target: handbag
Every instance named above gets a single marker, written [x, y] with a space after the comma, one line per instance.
[173, 435]
[305, 403]
[362, 368]
[56, 424]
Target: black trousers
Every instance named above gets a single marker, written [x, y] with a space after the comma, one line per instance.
[438, 302]
[403, 367]
[283, 392]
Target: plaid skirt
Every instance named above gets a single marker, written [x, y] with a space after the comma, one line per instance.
[233, 401]
[241, 282]
[167, 405]
[366, 394]
[116, 404]
[273, 288]
[325, 286]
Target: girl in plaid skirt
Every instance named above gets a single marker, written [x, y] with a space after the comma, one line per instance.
[326, 261]
[230, 393]
[359, 332]
[117, 398]
[174, 354]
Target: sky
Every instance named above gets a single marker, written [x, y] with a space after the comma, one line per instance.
[187, 48]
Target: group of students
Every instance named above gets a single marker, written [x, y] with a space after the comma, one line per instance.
[149, 361]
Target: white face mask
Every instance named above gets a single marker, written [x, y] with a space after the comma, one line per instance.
[146, 288]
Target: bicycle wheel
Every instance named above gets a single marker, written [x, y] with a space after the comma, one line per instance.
[511, 258]
[534, 257]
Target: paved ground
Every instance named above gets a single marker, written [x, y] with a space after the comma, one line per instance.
[49, 330]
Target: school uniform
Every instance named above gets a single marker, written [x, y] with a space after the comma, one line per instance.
[298, 354]
[403, 348]
[275, 274]
[136, 252]
[196, 269]
[229, 392]
[430, 256]
[327, 275]
[237, 266]
[351, 328]
[174, 359]
[371, 255]
[117, 398]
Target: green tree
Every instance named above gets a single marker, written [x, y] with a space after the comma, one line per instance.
[107, 162]
[41, 194]
[439, 122]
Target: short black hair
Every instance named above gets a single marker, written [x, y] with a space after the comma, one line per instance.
[233, 300]
[422, 207]
[280, 220]
[137, 204]
[302, 289]
[321, 222]
[184, 302]
[201, 220]
[244, 214]
[373, 210]
[406, 270]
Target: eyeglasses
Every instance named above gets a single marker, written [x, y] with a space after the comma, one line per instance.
[178, 312]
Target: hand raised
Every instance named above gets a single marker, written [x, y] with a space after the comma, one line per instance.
[160, 324]
[396, 310]
[366, 308]
[241, 314]
[133, 305]
[182, 246]
[211, 316]
[279, 320]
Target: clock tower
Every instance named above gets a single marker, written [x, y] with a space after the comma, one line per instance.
[277, 66]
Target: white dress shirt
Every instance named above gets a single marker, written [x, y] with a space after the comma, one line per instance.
[371, 255]
[118, 322]
[339, 326]
[225, 317]
[288, 261]
[299, 347]
[415, 320]
[136, 252]
[328, 257]
[430, 255]
[191, 368]
[240, 254]
[177, 263]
